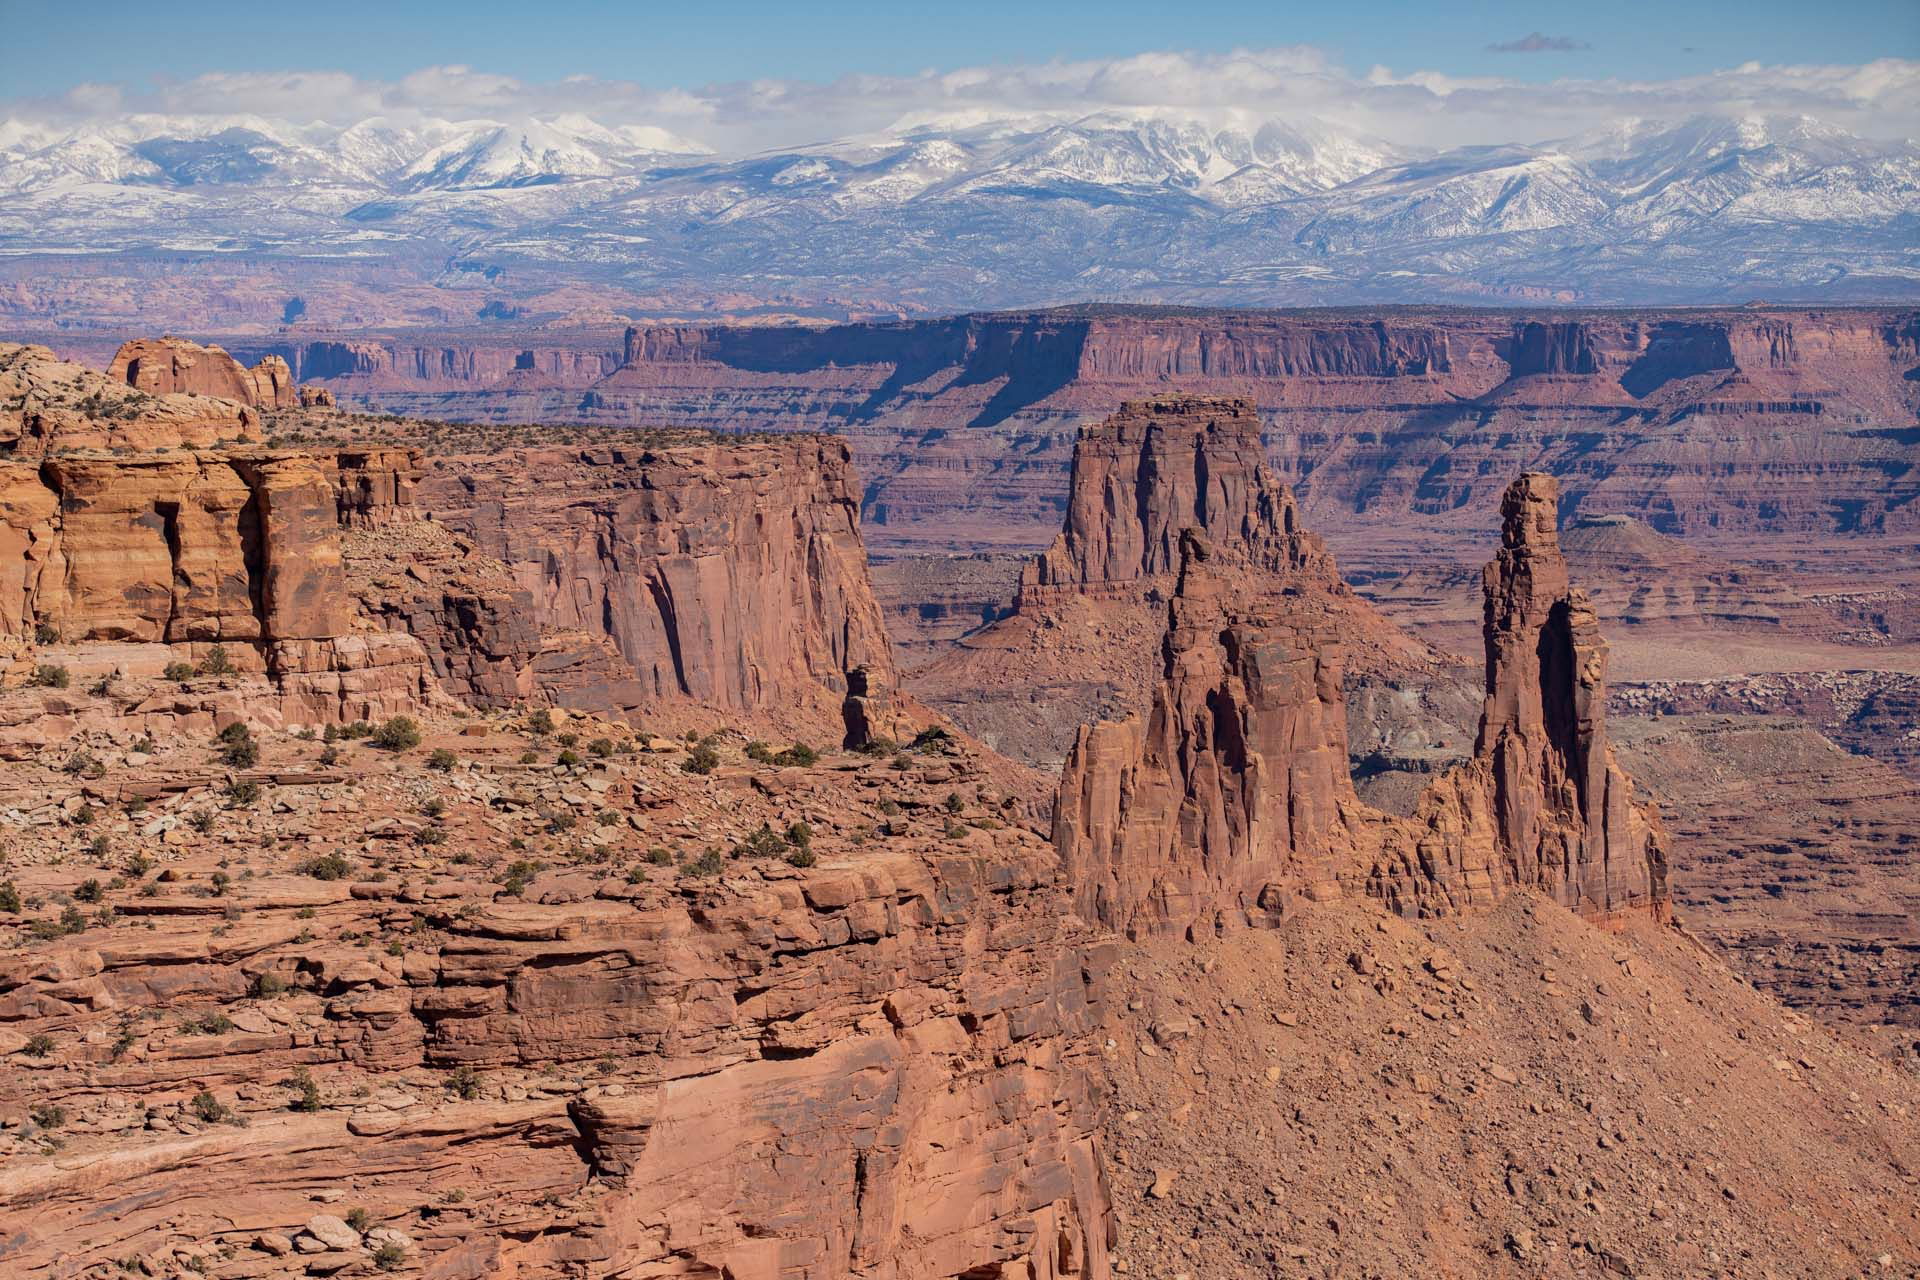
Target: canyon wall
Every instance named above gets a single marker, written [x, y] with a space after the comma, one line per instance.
[164, 366]
[1697, 422]
[728, 574]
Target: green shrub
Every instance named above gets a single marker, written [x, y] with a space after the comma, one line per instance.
[178, 672]
[49, 1115]
[709, 863]
[45, 633]
[397, 734]
[760, 752]
[801, 858]
[216, 663]
[243, 795]
[567, 759]
[9, 897]
[359, 1219]
[268, 985]
[953, 802]
[797, 754]
[518, 876]
[38, 1046]
[703, 759]
[240, 752]
[208, 1108]
[50, 676]
[331, 866]
[309, 1099]
[540, 721]
[89, 891]
[657, 855]
[389, 1256]
[764, 843]
[442, 759]
[464, 1082]
[600, 748]
[329, 755]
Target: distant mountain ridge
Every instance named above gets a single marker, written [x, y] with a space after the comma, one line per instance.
[967, 213]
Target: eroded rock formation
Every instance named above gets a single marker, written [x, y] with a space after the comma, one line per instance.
[1083, 636]
[165, 366]
[732, 575]
[1232, 796]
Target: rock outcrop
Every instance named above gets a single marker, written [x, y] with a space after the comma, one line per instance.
[166, 366]
[48, 404]
[1565, 818]
[1082, 638]
[1232, 797]
[731, 575]
[871, 1057]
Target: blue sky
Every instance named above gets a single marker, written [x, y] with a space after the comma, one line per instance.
[49, 47]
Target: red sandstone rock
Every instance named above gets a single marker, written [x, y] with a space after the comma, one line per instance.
[729, 575]
[1082, 640]
[1234, 796]
[164, 366]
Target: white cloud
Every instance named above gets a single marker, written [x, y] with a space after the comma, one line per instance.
[1422, 106]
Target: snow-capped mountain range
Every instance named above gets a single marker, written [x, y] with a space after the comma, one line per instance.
[971, 212]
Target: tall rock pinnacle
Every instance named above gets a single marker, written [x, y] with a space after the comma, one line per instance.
[1564, 811]
[1232, 798]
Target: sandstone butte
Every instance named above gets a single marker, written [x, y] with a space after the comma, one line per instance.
[1083, 633]
[569, 974]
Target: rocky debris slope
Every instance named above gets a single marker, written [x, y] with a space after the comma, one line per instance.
[732, 574]
[499, 1006]
[1232, 798]
[1792, 856]
[1082, 640]
[1513, 1093]
[162, 366]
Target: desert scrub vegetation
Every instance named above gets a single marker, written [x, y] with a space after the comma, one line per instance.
[398, 734]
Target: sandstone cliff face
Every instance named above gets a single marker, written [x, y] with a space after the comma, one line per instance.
[238, 548]
[164, 366]
[732, 575]
[1233, 797]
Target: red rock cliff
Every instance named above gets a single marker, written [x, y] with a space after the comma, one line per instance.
[729, 574]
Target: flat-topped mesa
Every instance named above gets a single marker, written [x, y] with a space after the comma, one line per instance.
[1157, 468]
[166, 366]
[1233, 796]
